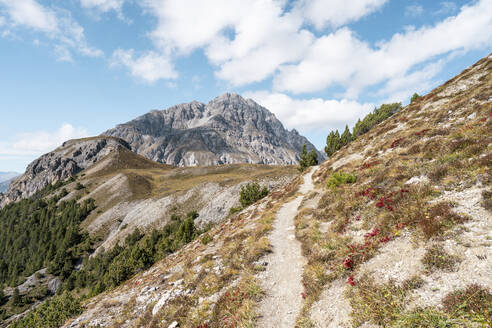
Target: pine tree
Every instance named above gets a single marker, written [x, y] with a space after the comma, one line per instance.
[415, 97]
[346, 136]
[333, 143]
[307, 159]
[16, 299]
[313, 158]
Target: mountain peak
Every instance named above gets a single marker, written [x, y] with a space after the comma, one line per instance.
[229, 129]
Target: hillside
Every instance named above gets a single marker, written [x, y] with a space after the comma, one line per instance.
[64, 162]
[407, 244]
[121, 196]
[227, 130]
[132, 192]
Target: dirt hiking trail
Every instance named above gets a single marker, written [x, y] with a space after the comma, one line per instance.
[282, 278]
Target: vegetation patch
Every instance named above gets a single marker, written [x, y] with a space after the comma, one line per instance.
[251, 193]
[472, 303]
[52, 313]
[339, 178]
[436, 258]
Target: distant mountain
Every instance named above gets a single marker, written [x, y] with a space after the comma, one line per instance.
[65, 161]
[6, 178]
[229, 129]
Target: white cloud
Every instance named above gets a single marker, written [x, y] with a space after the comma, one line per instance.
[247, 40]
[306, 115]
[31, 14]
[149, 67]
[56, 24]
[447, 7]
[414, 10]
[36, 143]
[403, 86]
[103, 5]
[337, 12]
[340, 58]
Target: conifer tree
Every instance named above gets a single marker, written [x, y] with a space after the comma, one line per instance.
[346, 136]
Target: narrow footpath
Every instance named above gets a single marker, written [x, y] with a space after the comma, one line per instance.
[282, 279]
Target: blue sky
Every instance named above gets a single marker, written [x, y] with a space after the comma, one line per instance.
[74, 68]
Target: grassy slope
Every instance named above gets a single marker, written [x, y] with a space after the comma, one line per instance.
[444, 140]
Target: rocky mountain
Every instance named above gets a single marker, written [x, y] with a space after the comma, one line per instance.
[229, 129]
[65, 161]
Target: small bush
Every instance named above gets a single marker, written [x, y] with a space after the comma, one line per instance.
[437, 259]
[251, 193]
[234, 210]
[79, 186]
[206, 239]
[338, 178]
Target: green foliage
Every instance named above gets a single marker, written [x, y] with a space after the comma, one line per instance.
[2, 296]
[377, 116]
[15, 299]
[51, 313]
[307, 159]
[234, 210]
[338, 178]
[79, 186]
[109, 269]
[206, 239]
[251, 193]
[427, 318]
[415, 97]
[37, 233]
[335, 141]
[346, 136]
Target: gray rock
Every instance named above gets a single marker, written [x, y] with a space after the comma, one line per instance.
[227, 130]
[67, 160]
[54, 285]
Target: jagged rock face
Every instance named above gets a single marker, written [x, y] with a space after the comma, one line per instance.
[229, 129]
[67, 160]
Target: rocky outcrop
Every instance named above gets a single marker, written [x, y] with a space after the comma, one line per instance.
[67, 160]
[229, 129]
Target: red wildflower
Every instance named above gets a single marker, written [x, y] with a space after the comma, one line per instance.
[385, 239]
[421, 132]
[347, 263]
[390, 208]
[303, 296]
[381, 202]
[404, 190]
[373, 233]
[351, 281]
[396, 142]
[357, 218]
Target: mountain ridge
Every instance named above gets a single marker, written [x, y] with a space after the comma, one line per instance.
[229, 129]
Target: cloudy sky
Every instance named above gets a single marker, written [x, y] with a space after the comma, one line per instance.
[73, 68]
